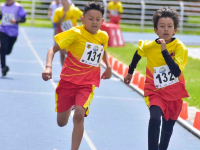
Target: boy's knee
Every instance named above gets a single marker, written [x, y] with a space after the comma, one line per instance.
[62, 123]
[78, 116]
[154, 120]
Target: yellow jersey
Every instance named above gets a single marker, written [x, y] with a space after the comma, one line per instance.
[75, 41]
[115, 6]
[155, 60]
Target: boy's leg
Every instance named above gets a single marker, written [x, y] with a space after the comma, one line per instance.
[154, 127]
[166, 132]
[78, 130]
[62, 118]
[12, 41]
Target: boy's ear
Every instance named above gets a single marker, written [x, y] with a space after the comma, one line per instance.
[82, 19]
[156, 31]
[175, 30]
[102, 20]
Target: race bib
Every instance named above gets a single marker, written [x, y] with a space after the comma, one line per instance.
[114, 12]
[66, 25]
[92, 55]
[6, 19]
[163, 77]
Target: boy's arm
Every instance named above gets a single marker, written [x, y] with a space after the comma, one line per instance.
[135, 60]
[132, 66]
[174, 68]
[108, 72]
[47, 73]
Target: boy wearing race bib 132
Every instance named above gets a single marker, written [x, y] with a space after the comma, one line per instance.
[65, 18]
[165, 84]
[80, 74]
[11, 14]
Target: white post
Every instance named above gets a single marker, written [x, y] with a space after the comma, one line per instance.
[33, 12]
[105, 10]
[181, 16]
[142, 14]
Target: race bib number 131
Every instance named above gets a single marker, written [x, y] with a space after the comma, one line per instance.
[92, 55]
[163, 77]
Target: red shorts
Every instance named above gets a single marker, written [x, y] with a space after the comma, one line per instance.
[115, 19]
[69, 94]
[171, 109]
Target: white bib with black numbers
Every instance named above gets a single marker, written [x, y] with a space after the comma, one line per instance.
[114, 12]
[66, 25]
[92, 54]
[163, 77]
[6, 19]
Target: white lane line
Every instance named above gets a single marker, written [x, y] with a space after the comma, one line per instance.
[46, 93]
[88, 140]
[29, 61]
[29, 74]
[26, 92]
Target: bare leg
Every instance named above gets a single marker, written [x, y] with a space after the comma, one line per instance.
[78, 130]
[62, 56]
[62, 118]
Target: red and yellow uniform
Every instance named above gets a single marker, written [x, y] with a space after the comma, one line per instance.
[161, 87]
[78, 72]
[115, 10]
[72, 16]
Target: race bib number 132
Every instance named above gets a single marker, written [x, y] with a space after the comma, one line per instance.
[92, 55]
[163, 77]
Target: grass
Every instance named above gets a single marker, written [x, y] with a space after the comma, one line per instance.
[191, 72]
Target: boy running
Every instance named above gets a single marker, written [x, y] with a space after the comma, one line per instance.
[66, 17]
[80, 74]
[115, 8]
[11, 14]
[165, 85]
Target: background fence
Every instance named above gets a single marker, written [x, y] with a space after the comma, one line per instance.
[137, 13]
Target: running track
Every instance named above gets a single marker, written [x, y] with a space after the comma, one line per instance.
[118, 118]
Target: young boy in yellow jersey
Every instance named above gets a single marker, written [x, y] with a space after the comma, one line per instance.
[66, 17]
[165, 85]
[80, 74]
[115, 9]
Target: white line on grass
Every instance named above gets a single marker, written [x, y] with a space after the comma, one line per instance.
[88, 140]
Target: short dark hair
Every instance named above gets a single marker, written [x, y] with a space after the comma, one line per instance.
[93, 5]
[166, 12]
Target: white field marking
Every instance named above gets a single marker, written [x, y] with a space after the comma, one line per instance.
[88, 140]
[26, 92]
[46, 93]
[29, 74]
[29, 61]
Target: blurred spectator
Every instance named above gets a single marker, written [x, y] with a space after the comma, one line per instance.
[115, 9]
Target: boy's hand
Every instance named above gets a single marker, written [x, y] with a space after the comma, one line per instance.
[128, 78]
[47, 74]
[107, 73]
[13, 21]
[163, 44]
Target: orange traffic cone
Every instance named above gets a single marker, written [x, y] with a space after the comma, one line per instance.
[141, 82]
[115, 66]
[126, 71]
[110, 60]
[184, 111]
[196, 123]
[135, 78]
[120, 69]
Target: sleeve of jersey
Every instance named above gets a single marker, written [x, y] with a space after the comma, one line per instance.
[141, 48]
[64, 39]
[79, 13]
[181, 56]
[120, 8]
[106, 42]
[55, 17]
[22, 12]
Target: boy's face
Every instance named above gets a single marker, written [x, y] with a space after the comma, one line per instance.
[65, 3]
[92, 20]
[9, 2]
[165, 29]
